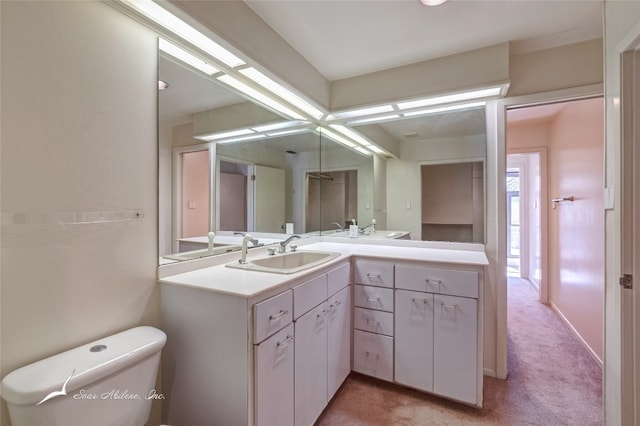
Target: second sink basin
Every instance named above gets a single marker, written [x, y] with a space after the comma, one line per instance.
[287, 263]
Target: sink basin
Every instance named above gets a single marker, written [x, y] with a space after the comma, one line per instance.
[287, 263]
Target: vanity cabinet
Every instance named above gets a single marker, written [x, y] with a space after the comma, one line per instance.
[436, 340]
[322, 342]
[274, 360]
[373, 319]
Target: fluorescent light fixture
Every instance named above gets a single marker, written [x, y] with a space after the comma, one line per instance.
[224, 135]
[444, 108]
[361, 112]
[177, 26]
[282, 92]
[351, 134]
[375, 149]
[260, 97]
[362, 150]
[457, 97]
[279, 125]
[242, 138]
[375, 119]
[287, 132]
[335, 137]
[186, 57]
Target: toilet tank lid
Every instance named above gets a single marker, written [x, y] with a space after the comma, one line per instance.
[82, 365]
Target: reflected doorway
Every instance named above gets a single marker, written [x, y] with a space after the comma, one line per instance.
[513, 222]
[332, 199]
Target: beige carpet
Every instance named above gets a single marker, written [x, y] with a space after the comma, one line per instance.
[552, 381]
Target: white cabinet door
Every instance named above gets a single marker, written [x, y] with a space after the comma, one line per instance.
[338, 340]
[414, 339]
[311, 365]
[455, 347]
[274, 379]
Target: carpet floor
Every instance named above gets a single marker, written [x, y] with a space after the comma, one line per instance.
[552, 380]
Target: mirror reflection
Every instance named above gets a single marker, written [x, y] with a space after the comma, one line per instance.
[303, 183]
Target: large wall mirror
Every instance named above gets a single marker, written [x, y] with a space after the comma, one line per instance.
[304, 183]
[290, 182]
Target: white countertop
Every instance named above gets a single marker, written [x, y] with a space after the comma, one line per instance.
[247, 283]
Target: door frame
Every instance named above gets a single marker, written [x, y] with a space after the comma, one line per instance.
[574, 93]
[628, 321]
[543, 291]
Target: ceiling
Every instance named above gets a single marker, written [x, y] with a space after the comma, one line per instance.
[346, 38]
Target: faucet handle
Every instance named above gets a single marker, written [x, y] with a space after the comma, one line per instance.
[293, 247]
[271, 250]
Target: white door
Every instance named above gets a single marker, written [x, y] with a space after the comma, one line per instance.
[274, 379]
[414, 339]
[339, 340]
[455, 347]
[269, 201]
[311, 365]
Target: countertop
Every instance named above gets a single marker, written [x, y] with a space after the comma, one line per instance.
[249, 284]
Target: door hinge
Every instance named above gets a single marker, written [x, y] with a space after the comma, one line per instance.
[626, 281]
[253, 177]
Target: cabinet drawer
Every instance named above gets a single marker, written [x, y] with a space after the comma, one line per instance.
[370, 297]
[373, 354]
[373, 321]
[308, 295]
[435, 280]
[271, 315]
[373, 273]
[338, 279]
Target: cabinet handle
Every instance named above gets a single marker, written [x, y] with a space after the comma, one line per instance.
[430, 281]
[372, 275]
[337, 302]
[370, 320]
[425, 301]
[448, 305]
[369, 353]
[375, 299]
[285, 342]
[279, 315]
[323, 313]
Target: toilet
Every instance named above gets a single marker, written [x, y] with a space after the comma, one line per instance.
[110, 381]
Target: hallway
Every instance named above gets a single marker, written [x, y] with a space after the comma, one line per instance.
[552, 381]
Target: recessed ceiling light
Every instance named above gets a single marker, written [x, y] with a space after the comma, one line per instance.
[162, 85]
[432, 2]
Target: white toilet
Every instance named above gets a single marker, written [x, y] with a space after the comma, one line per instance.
[107, 382]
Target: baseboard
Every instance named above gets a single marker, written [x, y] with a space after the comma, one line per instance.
[490, 373]
[584, 343]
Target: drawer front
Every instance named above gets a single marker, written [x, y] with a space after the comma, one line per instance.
[370, 297]
[338, 279]
[435, 280]
[373, 355]
[308, 295]
[373, 273]
[271, 315]
[373, 321]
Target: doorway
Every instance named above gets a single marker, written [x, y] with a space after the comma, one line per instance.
[555, 152]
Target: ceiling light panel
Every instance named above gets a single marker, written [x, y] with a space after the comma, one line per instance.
[444, 109]
[456, 97]
[282, 92]
[177, 26]
[186, 57]
[260, 97]
[361, 112]
[351, 134]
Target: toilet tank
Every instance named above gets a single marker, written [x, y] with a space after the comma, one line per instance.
[110, 381]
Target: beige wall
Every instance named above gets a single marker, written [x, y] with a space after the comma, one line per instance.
[576, 232]
[78, 135]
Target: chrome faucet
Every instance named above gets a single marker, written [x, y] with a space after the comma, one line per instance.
[245, 241]
[283, 244]
[372, 225]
